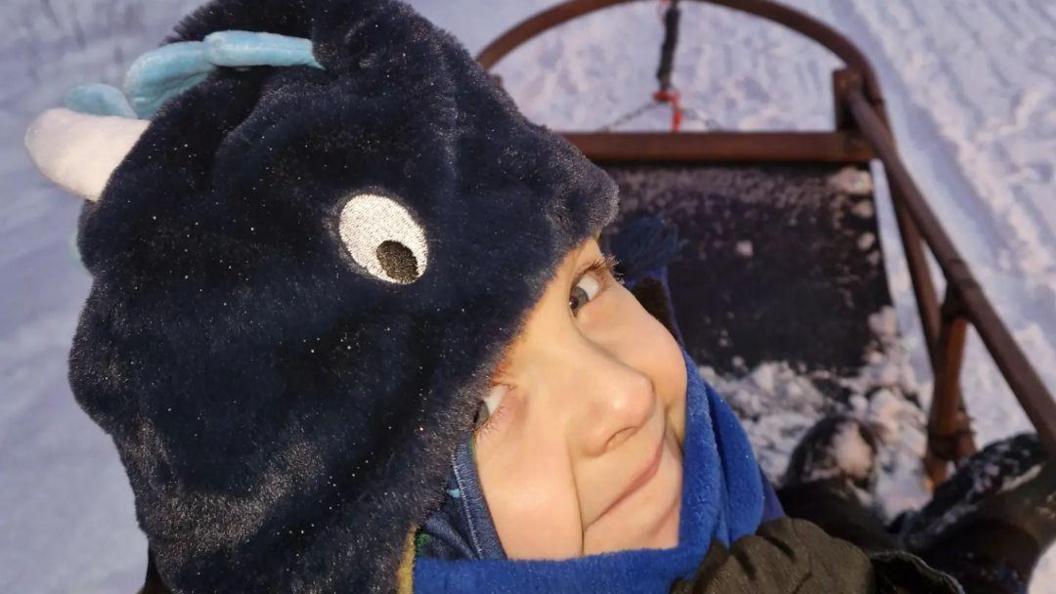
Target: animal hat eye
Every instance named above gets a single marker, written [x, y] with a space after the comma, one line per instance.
[382, 237]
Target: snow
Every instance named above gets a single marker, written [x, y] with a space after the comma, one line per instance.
[745, 249]
[778, 404]
[853, 455]
[854, 181]
[971, 91]
[866, 241]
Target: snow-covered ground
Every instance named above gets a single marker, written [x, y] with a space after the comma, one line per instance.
[971, 88]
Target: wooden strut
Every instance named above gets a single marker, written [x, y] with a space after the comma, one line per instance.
[738, 147]
[950, 436]
[949, 428]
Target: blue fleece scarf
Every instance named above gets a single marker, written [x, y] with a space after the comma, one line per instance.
[724, 497]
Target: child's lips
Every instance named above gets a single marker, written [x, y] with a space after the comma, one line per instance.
[640, 480]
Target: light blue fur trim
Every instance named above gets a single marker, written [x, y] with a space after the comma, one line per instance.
[98, 99]
[160, 74]
[250, 48]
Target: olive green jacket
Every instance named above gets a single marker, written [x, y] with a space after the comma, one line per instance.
[795, 556]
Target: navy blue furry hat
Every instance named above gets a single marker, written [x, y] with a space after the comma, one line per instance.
[303, 277]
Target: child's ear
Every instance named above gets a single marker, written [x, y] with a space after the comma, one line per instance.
[80, 151]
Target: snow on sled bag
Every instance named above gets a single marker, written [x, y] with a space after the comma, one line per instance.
[777, 262]
[313, 227]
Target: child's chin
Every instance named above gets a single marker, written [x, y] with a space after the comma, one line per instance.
[652, 522]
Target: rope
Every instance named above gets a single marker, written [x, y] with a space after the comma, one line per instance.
[667, 49]
[623, 119]
[708, 122]
[667, 93]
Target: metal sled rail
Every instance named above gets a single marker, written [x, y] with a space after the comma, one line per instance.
[861, 133]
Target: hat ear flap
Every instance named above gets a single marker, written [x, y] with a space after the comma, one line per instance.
[78, 151]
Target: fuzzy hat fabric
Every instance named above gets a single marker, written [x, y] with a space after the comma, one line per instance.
[303, 276]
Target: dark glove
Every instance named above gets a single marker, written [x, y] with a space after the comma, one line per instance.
[795, 556]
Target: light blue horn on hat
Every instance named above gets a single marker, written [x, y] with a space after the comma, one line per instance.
[160, 74]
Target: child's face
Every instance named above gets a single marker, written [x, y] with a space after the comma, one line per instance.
[582, 451]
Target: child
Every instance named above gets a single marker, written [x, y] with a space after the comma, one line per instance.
[333, 244]
[601, 462]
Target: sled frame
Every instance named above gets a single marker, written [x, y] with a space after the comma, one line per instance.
[861, 133]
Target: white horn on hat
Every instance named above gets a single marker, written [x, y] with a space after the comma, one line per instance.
[80, 151]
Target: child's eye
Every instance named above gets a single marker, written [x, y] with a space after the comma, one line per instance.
[585, 290]
[489, 405]
[590, 281]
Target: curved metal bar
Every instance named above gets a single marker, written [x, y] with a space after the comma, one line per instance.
[798, 21]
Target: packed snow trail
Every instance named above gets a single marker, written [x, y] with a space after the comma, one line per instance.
[970, 86]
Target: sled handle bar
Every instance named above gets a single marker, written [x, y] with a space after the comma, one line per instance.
[793, 19]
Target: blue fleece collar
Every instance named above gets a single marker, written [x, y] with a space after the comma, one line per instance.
[723, 497]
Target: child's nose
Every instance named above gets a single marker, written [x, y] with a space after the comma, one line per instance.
[617, 400]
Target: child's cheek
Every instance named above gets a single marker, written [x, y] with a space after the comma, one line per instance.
[616, 319]
[660, 356]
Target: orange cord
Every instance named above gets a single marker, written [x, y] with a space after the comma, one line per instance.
[672, 97]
